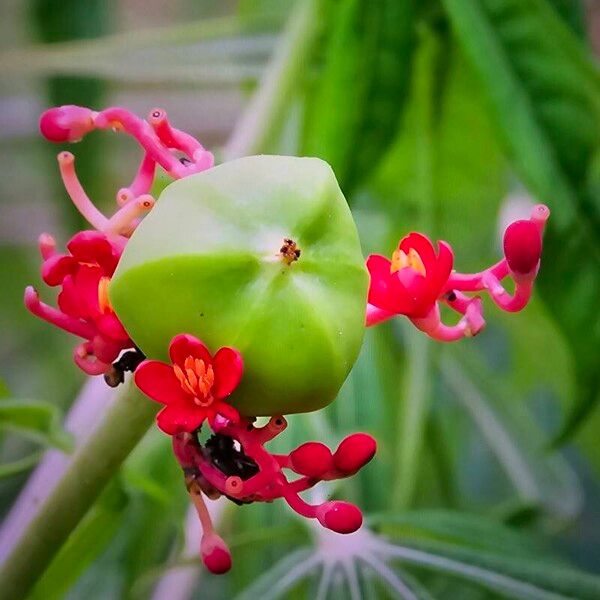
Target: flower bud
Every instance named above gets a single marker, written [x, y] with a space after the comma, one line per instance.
[523, 247]
[66, 123]
[215, 554]
[339, 516]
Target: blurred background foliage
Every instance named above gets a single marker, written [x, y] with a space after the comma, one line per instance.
[447, 116]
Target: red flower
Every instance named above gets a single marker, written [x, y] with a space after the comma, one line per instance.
[193, 386]
[413, 280]
[84, 308]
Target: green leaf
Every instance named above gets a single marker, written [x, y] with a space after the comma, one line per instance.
[464, 547]
[355, 110]
[461, 529]
[38, 421]
[544, 93]
[538, 475]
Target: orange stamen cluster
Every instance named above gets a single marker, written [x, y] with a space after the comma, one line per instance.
[197, 379]
[412, 260]
[103, 298]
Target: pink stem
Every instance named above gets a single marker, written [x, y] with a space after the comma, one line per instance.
[469, 325]
[142, 182]
[123, 221]
[55, 317]
[66, 163]
[262, 435]
[473, 282]
[201, 510]
[146, 136]
[47, 246]
[377, 315]
[298, 505]
[174, 138]
[283, 460]
[514, 303]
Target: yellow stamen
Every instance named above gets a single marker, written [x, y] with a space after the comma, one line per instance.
[197, 379]
[416, 262]
[103, 299]
[412, 260]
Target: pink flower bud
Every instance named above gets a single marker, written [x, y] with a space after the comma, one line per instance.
[66, 123]
[339, 516]
[355, 451]
[522, 247]
[215, 554]
[312, 459]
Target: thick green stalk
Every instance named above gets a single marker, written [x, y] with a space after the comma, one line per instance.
[92, 468]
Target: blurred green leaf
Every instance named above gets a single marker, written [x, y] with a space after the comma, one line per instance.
[354, 112]
[538, 475]
[84, 545]
[544, 92]
[462, 529]
[38, 421]
[468, 551]
[19, 466]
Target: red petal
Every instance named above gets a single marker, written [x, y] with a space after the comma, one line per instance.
[95, 247]
[385, 289]
[57, 267]
[436, 279]
[110, 326]
[86, 282]
[422, 244]
[157, 380]
[178, 418]
[69, 301]
[522, 246]
[228, 366]
[184, 345]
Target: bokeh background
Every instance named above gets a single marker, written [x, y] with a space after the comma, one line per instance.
[446, 116]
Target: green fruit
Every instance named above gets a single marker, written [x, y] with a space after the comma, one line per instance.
[207, 261]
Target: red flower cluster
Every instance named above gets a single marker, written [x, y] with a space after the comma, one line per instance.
[84, 309]
[193, 386]
[84, 273]
[418, 278]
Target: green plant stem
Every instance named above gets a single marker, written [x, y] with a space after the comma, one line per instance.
[92, 468]
[263, 118]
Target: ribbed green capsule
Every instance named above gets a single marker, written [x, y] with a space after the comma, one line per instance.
[261, 254]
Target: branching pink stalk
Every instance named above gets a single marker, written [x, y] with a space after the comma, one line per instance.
[417, 280]
[209, 469]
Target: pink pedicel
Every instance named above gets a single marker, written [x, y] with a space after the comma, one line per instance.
[234, 463]
[418, 279]
[193, 387]
[84, 310]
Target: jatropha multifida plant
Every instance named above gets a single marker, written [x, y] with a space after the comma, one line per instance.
[242, 293]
